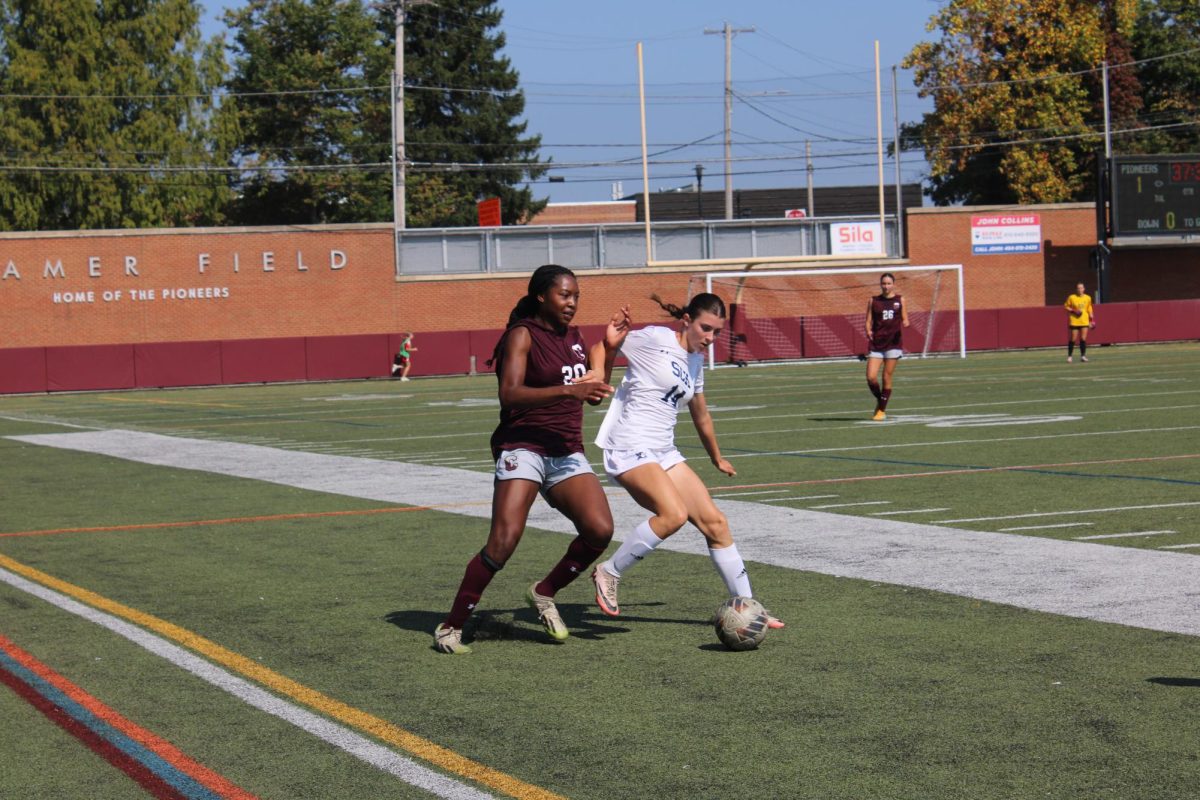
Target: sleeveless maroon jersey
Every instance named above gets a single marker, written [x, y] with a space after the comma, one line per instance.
[886, 319]
[556, 429]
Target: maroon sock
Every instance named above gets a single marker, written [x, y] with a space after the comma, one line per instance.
[884, 396]
[874, 387]
[475, 580]
[579, 555]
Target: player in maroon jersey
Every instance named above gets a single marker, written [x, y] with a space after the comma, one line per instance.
[887, 316]
[543, 370]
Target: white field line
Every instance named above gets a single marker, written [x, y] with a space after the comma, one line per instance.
[1047, 527]
[337, 735]
[303, 411]
[1121, 535]
[1073, 401]
[865, 422]
[850, 505]
[1143, 588]
[1060, 512]
[907, 511]
[718, 495]
[945, 442]
[34, 420]
[798, 499]
[1178, 546]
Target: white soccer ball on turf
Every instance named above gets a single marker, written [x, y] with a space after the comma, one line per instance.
[741, 623]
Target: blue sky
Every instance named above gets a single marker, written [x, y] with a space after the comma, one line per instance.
[804, 75]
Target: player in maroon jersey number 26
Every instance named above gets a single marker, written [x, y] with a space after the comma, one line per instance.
[543, 368]
[887, 316]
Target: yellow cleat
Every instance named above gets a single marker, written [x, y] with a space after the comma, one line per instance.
[449, 640]
[880, 416]
[548, 613]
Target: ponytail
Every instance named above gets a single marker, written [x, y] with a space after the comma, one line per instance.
[701, 302]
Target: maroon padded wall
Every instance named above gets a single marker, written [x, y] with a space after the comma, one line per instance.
[343, 357]
[1167, 320]
[447, 353]
[96, 366]
[1030, 327]
[263, 360]
[1117, 322]
[480, 344]
[162, 364]
[22, 369]
[829, 337]
[54, 369]
[983, 329]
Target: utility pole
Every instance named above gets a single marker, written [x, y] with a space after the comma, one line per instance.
[899, 177]
[398, 155]
[699, 191]
[728, 33]
[808, 169]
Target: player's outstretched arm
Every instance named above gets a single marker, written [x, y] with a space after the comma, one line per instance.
[618, 328]
[702, 420]
[604, 353]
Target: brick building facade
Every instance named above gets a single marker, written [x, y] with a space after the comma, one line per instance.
[309, 284]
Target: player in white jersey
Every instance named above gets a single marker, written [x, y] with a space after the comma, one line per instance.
[665, 373]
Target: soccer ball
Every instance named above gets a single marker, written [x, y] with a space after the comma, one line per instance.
[741, 623]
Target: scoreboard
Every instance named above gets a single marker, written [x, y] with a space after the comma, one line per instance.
[1155, 196]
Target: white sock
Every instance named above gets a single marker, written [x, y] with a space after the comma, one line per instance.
[636, 546]
[732, 570]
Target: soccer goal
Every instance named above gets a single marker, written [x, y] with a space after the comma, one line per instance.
[791, 315]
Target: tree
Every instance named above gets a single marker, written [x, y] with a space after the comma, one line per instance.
[462, 103]
[311, 88]
[1013, 111]
[101, 103]
[1165, 41]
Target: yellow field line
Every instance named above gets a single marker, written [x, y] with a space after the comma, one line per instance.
[381, 729]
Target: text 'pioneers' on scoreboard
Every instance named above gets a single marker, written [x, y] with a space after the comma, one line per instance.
[1155, 195]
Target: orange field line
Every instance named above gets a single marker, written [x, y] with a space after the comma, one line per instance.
[151, 741]
[229, 520]
[381, 729]
[964, 471]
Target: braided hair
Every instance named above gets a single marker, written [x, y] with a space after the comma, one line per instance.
[540, 282]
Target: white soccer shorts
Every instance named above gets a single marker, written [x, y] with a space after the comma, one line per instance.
[619, 461]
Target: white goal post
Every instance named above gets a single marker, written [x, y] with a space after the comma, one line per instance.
[794, 315]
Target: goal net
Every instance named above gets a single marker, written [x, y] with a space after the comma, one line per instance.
[787, 315]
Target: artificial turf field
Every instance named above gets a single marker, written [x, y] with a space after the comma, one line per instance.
[293, 602]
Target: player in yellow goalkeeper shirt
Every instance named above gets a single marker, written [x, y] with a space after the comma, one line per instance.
[1081, 317]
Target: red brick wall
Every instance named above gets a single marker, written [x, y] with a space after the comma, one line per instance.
[587, 213]
[250, 283]
[284, 286]
[943, 236]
